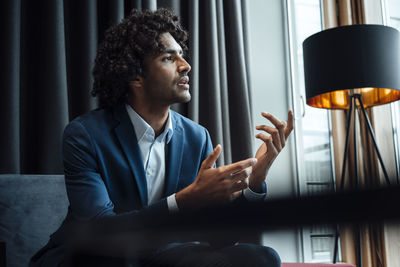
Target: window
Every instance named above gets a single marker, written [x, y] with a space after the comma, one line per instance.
[393, 20]
[313, 135]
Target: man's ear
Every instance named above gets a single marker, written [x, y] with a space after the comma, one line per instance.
[137, 83]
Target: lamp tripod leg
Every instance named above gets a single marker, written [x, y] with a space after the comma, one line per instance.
[346, 150]
[359, 245]
[335, 250]
[355, 146]
[346, 147]
[373, 140]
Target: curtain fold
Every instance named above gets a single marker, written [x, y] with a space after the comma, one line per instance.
[49, 50]
[210, 86]
[223, 87]
[241, 126]
[193, 57]
[81, 36]
[10, 25]
[220, 76]
[43, 86]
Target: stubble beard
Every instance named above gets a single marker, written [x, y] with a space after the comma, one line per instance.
[184, 98]
[180, 96]
[176, 96]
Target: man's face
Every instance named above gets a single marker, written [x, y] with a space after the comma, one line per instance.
[166, 80]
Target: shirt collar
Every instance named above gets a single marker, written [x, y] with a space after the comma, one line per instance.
[142, 128]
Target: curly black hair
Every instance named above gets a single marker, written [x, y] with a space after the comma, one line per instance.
[120, 57]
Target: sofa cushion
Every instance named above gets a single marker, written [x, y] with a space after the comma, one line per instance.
[316, 265]
[31, 208]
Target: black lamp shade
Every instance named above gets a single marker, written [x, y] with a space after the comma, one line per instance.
[352, 59]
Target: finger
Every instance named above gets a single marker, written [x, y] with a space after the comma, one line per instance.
[238, 166]
[277, 123]
[269, 142]
[238, 186]
[275, 134]
[235, 177]
[280, 125]
[271, 149]
[209, 162]
[289, 127]
[282, 134]
[263, 137]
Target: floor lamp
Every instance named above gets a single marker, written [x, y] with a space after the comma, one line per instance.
[353, 67]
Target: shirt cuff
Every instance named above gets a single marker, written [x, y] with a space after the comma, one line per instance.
[172, 205]
[253, 196]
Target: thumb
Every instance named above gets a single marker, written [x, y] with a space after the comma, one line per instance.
[209, 162]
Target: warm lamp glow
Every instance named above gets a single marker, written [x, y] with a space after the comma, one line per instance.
[351, 61]
[340, 99]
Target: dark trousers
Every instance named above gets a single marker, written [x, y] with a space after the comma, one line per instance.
[191, 255]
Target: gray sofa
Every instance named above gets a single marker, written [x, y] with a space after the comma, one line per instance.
[31, 208]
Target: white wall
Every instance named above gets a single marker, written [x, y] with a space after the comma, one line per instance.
[270, 88]
[270, 93]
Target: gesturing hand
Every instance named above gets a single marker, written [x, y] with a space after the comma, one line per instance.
[271, 147]
[215, 186]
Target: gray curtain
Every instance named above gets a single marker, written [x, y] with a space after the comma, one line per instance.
[48, 49]
[220, 75]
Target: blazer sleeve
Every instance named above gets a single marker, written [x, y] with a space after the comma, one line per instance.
[86, 190]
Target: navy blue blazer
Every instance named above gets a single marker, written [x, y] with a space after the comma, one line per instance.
[103, 168]
[104, 171]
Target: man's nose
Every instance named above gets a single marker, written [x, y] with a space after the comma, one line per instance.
[184, 66]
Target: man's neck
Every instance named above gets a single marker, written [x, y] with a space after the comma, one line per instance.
[156, 117]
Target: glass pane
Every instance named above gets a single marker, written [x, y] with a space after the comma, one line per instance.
[313, 141]
[321, 247]
[393, 9]
[313, 189]
[315, 128]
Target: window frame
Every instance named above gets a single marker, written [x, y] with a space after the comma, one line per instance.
[394, 107]
[305, 233]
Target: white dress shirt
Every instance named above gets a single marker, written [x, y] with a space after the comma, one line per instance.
[152, 151]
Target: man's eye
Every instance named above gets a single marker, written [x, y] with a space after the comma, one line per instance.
[170, 58]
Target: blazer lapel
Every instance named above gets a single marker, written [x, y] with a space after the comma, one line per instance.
[127, 138]
[174, 158]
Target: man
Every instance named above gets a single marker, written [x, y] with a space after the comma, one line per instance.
[135, 156]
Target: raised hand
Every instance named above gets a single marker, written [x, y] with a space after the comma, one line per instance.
[271, 147]
[215, 186]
